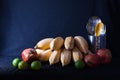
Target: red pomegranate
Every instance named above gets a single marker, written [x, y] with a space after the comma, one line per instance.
[29, 55]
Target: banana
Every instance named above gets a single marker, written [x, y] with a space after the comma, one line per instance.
[76, 54]
[55, 57]
[69, 43]
[65, 57]
[56, 43]
[81, 44]
[44, 43]
[44, 56]
[39, 51]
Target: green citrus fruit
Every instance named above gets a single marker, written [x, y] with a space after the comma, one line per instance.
[22, 65]
[36, 65]
[79, 64]
[15, 62]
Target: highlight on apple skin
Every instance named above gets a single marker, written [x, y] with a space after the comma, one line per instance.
[92, 60]
[105, 55]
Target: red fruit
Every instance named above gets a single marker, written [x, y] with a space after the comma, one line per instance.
[105, 55]
[29, 55]
[92, 60]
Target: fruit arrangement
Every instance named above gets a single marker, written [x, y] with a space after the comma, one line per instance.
[61, 50]
[55, 50]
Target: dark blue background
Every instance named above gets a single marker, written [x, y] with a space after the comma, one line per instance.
[24, 22]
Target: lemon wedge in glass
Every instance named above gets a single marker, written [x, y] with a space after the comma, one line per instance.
[99, 29]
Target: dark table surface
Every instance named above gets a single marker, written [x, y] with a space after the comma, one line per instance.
[107, 71]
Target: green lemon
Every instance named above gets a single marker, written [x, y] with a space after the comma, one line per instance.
[79, 64]
[15, 62]
[36, 65]
[22, 65]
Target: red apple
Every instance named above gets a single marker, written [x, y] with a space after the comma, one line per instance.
[92, 60]
[29, 55]
[105, 55]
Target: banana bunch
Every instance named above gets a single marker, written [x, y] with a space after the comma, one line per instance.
[62, 50]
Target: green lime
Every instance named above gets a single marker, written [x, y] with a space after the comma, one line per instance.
[22, 65]
[15, 62]
[36, 65]
[79, 64]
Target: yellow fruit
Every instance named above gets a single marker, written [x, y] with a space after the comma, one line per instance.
[65, 57]
[81, 44]
[44, 43]
[99, 28]
[69, 43]
[39, 51]
[55, 57]
[44, 56]
[76, 54]
[56, 43]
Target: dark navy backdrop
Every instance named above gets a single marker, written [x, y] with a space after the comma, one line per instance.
[24, 22]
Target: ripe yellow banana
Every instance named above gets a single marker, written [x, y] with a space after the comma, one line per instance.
[69, 43]
[76, 54]
[44, 43]
[81, 44]
[56, 43]
[55, 57]
[39, 51]
[65, 57]
[44, 56]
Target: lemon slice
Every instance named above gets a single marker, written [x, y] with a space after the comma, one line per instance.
[99, 29]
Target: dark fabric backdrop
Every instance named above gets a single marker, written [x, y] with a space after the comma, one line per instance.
[24, 22]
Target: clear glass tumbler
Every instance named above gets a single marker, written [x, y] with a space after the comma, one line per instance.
[97, 43]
